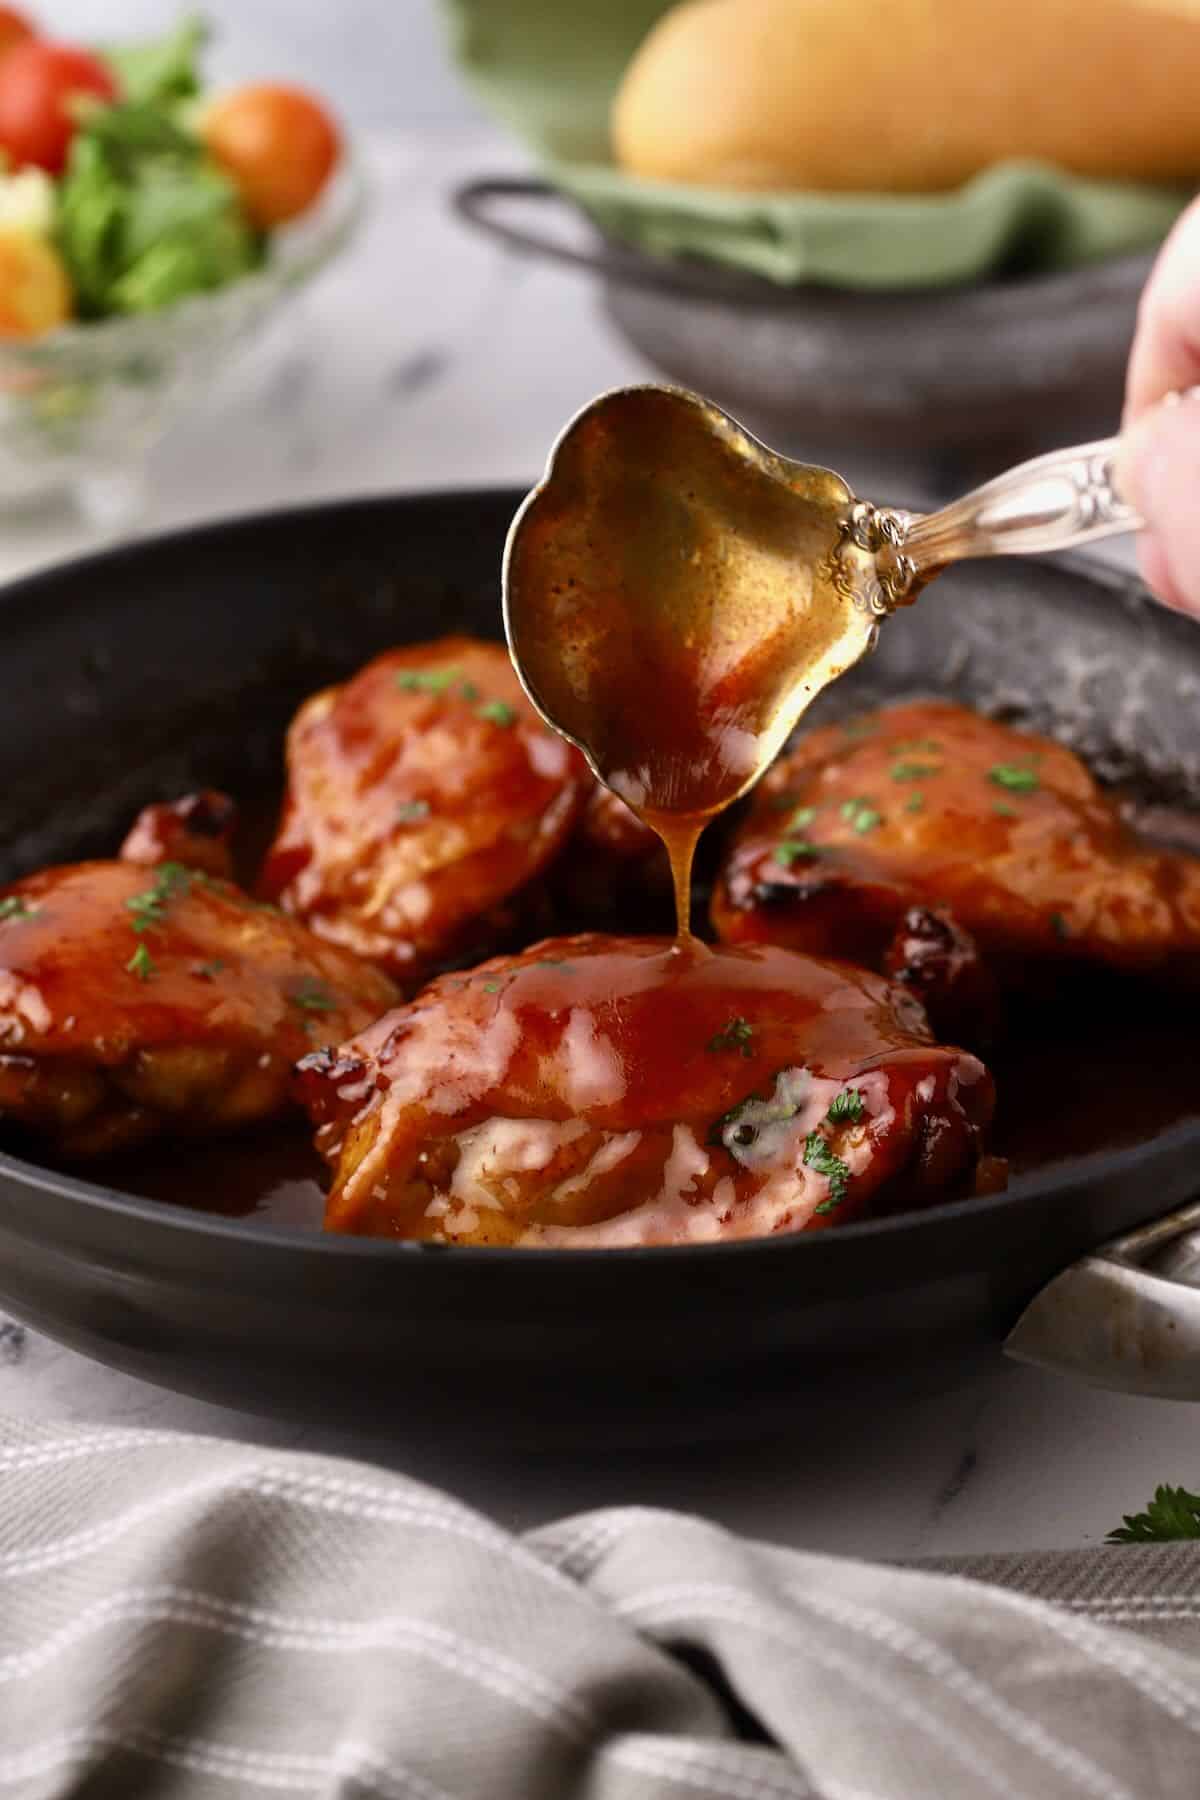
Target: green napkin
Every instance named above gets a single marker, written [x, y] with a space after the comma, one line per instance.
[549, 72]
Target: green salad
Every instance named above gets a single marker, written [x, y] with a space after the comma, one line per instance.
[126, 187]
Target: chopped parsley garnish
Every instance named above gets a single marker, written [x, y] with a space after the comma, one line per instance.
[914, 803]
[149, 908]
[491, 987]
[497, 712]
[16, 907]
[802, 818]
[860, 814]
[1173, 1513]
[147, 912]
[755, 1131]
[823, 1161]
[781, 802]
[313, 996]
[142, 964]
[737, 1035]
[1058, 925]
[928, 744]
[411, 811]
[914, 771]
[208, 969]
[1003, 810]
[847, 1108]
[1014, 777]
[794, 850]
[469, 691]
[426, 681]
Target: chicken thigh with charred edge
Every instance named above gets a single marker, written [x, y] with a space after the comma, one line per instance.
[425, 798]
[959, 855]
[598, 1091]
[151, 997]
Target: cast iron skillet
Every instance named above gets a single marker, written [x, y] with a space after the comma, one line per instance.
[138, 673]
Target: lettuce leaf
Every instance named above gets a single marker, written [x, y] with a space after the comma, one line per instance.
[166, 69]
[145, 217]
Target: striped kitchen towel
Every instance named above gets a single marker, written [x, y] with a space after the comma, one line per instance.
[181, 1617]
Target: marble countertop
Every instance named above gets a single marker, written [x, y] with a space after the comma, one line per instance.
[427, 359]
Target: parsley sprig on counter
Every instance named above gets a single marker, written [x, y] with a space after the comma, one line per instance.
[1173, 1513]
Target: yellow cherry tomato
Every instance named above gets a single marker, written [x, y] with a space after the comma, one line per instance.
[35, 290]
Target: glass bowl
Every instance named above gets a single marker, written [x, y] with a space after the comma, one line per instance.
[81, 407]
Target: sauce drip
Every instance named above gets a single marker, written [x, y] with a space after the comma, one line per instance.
[676, 595]
[680, 834]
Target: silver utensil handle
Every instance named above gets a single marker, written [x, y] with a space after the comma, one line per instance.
[1052, 503]
[1126, 1317]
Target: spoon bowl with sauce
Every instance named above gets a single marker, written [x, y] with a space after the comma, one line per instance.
[676, 594]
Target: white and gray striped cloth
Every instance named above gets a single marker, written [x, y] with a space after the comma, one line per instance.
[181, 1617]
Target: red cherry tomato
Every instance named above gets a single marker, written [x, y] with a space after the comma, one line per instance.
[37, 83]
[14, 29]
[279, 146]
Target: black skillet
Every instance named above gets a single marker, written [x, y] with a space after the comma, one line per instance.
[138, 673]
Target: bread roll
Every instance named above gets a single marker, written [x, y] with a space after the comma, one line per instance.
[910, 96]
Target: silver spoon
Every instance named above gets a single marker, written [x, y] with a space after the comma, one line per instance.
[676, 593]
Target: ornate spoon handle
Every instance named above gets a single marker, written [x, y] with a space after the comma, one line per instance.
[1051, 503]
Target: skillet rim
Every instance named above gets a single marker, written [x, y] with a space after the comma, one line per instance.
[1083, 1171]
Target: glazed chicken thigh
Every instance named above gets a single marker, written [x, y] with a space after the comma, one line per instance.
[138, 1000]
[424, 798]
[607, 1091]
[923, 831]
[196, 831]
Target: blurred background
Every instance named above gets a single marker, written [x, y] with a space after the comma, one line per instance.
[918, 276]
[380, 62]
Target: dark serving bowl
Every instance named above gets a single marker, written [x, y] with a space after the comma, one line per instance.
[965, 380]
[138, 673]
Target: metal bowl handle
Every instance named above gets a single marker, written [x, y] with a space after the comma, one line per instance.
[478, 203]
[482, 203]
[1117, 1322]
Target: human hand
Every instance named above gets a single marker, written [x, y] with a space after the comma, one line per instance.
[1159, 465]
